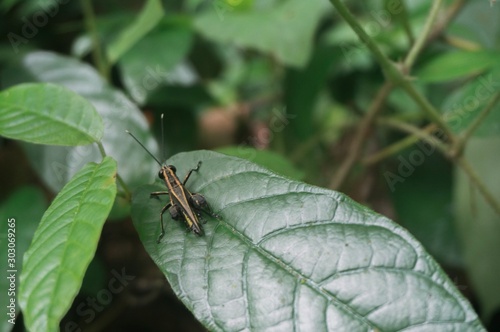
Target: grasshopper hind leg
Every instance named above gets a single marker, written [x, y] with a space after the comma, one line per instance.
[200, 204]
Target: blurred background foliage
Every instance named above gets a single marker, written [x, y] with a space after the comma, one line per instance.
[286, 84]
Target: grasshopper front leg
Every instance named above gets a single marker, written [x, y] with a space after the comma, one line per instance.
[161, 221]
[158, 193]
[191, 171]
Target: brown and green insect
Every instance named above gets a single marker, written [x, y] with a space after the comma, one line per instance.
[184, 205]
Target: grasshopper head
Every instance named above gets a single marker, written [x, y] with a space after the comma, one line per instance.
[161, 173]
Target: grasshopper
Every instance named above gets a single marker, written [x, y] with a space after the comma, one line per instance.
[184, 205]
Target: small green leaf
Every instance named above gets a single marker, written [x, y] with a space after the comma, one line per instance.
[46, 113]
[64, 244]
[285, 31]
[453, 65]
[150, 15]
[288, 256]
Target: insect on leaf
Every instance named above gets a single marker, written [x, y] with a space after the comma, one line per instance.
[288, 256]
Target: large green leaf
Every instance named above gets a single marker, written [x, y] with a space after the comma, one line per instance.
[48, 114]
[24, 225]
[478, 223]
[285, 31]
[64, 245]
[150, 15]
[56, 165]
[288, 256]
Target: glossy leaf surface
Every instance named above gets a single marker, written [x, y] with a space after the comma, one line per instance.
[288, 256]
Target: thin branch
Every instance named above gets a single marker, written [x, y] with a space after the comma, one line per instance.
[451, 13]
[128, 195]
[479, 119]
[361, 134]
[462, 43]
[423, 36]
[406, 23]
[444, 148]
[391, 70]
[474, 178]
[91, 25]
[387, 65]
[420, 133]
[396, 147]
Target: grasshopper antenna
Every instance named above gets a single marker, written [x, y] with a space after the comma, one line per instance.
[162, 137]
[156, 159]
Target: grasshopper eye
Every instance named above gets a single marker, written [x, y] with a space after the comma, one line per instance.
[160, 175]
[173, 168]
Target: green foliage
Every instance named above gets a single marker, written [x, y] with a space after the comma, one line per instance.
[478, 223]
[267, 159]
[148, 18]
[358, 90]
[174, 41]
[465, 104]
[288, 254]
[26, 205]
[56, 165]
[453, 65]
[65, 242]
[48, 114]
[277, 31]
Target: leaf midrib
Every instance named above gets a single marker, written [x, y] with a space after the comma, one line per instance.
[65, 251]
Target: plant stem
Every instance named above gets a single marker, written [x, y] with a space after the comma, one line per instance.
[462, 43]
[396, 147]
[479, 119]
[388, 67]
[391, 70]
[361, 134]
[474, 178]
[406, 23]
[444, 148]
[452, 11]
[423, 36]
[419, 133]
[97, 54]
[128, 195]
